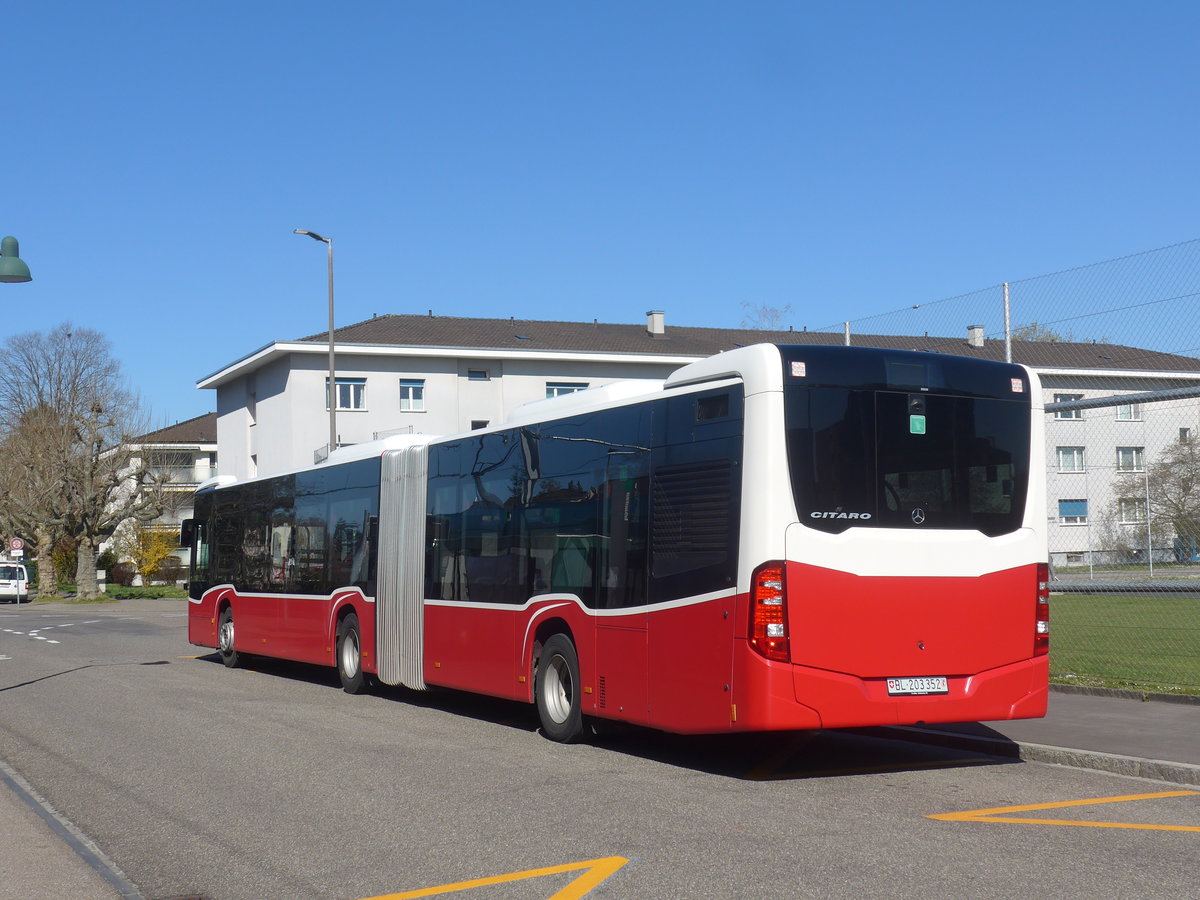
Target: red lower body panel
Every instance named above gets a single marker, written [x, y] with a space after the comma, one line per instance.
[285, 626]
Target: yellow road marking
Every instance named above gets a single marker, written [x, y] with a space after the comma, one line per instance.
[597, 870]
[995, 815]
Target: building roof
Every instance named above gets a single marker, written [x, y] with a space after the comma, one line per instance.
[400, 330]
[200, 430]
[417, 335]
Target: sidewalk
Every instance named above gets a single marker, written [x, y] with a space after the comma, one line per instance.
[1157, 739]
[43, 857]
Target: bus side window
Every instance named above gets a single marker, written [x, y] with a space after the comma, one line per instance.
[695, 487]
[495, 555]
[444, 564]
[626, 525]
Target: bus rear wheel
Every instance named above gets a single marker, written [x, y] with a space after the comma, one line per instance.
[225, 635]
[557, 691]
[349, 655]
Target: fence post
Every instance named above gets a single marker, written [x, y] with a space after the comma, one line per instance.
[1149, 523]
[1007, 327]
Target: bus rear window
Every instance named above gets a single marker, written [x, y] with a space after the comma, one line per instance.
[896, 459]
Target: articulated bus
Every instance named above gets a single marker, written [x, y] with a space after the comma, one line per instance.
[773, 538]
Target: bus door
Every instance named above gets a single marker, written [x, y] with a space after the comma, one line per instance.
[620, 578]
[693, 560]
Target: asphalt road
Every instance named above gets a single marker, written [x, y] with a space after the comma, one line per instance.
[270, 782]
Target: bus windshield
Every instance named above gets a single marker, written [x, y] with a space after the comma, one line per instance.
[890, 455]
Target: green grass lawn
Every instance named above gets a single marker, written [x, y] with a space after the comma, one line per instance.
[1145, 642]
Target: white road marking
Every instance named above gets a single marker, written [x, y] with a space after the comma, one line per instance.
[36, 633]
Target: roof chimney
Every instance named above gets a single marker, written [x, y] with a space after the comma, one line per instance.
[975, 335]
[656, 325]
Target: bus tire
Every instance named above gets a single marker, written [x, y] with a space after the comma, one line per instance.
[349, 655]
[557, 691]
[225, 639]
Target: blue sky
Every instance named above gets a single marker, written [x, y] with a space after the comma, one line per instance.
[570, 161]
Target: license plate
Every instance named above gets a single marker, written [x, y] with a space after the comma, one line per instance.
[933, 685]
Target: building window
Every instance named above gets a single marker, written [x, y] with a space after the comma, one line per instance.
[1067, 413]
[1131, 459]
[558, 388]
[1070, 459]
[1072, 512]
[412, 395]
[1185, 435]
[478, 375]
[1132, 512]
[476, 424]
[351, 393]
[1129, 412]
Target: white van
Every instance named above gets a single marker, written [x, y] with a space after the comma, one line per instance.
[14, 582]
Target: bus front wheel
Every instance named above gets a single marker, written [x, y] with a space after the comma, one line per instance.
[557, 692]
[225, 635]
[349, 655]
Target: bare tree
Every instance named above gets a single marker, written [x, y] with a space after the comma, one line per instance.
[1172, 485]
[764, 318]
[31, 502]
[79, 459]
[1037, 332]
[1124, 533]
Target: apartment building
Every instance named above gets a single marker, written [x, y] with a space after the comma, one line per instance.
[438, 375]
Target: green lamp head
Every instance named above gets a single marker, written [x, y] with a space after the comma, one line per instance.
[12, 269]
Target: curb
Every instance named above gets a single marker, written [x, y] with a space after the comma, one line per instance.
[1144, 696]
[1156, 769]
[71, 836]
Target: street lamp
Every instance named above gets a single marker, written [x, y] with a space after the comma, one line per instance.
[12, 269]
[332, 392]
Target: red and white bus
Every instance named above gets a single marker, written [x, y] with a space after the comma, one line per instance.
[777, 537]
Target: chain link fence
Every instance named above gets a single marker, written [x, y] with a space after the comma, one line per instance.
[1123, 487]
[1116, 345]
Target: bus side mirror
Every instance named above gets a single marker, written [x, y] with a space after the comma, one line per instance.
[187, 532]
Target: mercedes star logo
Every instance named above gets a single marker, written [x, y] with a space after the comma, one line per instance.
[918, 516]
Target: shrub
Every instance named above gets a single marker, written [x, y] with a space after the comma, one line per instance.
[65, 557]
[170, 571]
[123, 574]
[154, 592]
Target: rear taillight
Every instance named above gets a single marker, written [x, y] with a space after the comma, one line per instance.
[1041, 634]
[768, 613]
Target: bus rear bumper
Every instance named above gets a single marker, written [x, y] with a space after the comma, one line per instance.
[1016, 691]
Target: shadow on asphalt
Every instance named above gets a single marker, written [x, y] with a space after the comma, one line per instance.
[769, 756]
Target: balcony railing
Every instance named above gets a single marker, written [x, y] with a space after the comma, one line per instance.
[322, 453]
[183, 474]
[388, 432]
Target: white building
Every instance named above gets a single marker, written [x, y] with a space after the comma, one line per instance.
[441, 375]
[424, 375]
[184, 455]
[1098, 461]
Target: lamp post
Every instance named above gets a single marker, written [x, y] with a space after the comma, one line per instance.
[14, 271]
[331, 394]
[12, 268]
